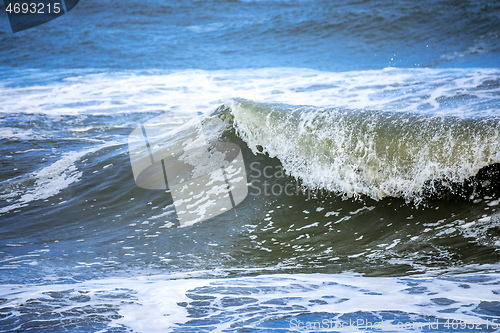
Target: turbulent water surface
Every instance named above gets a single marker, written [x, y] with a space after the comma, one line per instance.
[370, 137]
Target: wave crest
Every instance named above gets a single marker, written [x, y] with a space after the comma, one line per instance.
[372, 153]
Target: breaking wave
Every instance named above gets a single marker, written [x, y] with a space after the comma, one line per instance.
[368, 153]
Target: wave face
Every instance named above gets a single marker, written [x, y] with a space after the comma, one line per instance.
[372, 153]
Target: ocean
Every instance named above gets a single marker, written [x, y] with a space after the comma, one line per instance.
[252, 166]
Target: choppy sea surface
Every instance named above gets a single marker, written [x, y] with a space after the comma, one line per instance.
[370, 133]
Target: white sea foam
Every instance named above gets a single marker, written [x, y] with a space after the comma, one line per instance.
[450, 91]
[15, 133]
[167, 303]
[47, 182]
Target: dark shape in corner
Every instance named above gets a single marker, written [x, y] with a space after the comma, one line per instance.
[70, 4]
[26, 14]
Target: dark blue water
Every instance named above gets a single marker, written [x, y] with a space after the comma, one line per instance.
[83, 248]
[339, 36]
